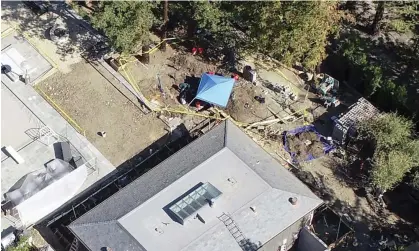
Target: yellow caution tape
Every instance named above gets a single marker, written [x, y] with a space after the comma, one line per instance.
[7, 32]
[17, 29]
[188, 112]
[154, 49]
[130, 80]
[285, 77]
[60, 110]
[157, 46]
[55, 105]
[45, 76]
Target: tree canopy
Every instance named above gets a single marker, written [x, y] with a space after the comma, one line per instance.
[295, 31]
[385, 67]
[125, 23]
[289, 31]
[22, 245]
[396, 151]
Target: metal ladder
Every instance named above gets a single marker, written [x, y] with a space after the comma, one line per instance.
[235, 231]
[74, 245]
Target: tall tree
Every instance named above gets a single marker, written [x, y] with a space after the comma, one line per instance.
[212, 25]
[413, 58]
[396, 151]
[165, 23]
[403, 16]
[293, 31]
[379, 14]
[125, 23]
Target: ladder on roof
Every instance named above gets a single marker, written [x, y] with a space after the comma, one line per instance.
[235, 231]
[74, 245]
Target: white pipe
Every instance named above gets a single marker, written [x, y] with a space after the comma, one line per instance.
[12, 152]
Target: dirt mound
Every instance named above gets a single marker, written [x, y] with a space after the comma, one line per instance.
[305, 144]
[190, 65]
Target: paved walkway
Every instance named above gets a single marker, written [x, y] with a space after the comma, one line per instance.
[50, 117]
[46, 115]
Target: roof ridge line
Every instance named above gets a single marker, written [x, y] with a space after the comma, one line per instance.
[284, 190]
[92, 223]
[299, 194]
[271, 157]
[149, 171]
[226, 121]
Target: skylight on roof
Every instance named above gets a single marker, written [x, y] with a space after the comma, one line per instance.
[189, 204]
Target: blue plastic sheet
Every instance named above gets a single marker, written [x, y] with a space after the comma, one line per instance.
[310, 128]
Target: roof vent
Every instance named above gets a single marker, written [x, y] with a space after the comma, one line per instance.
[211, 202]
[232, 181]
[158, 230]
[199, 217]
[253, 209]
[293, 200]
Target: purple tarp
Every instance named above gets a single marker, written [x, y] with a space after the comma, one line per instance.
[310, 128]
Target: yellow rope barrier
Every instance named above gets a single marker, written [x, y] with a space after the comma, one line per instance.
[7, 32]
[60, 110]
[152, 50]
[188, 112]
[45, 76]
[124, 61]
[130, 79]
[54, 65]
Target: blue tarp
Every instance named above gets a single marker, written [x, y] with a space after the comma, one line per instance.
[215, 89]
[310, 128]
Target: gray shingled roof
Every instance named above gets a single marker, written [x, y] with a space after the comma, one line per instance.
[99, 227]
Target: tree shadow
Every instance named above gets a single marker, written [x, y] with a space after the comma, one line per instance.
[359, 216]
[81, 37]
[249, 245]
[403, 200]
[394, 58]
[329, 226]
[366, 219]
[363, 14]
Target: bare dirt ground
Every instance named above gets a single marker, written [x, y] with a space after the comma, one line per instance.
[305, 144]
[370, 228]
[173, 68]
[97, 106]
[244, 108]
[354, 206]
[322, 176]
[325, 180]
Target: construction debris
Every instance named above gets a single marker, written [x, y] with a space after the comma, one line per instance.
[346, 124]
[305, 144]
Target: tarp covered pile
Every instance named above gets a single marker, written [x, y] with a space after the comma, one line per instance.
[305, 143]
[41, 192]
